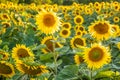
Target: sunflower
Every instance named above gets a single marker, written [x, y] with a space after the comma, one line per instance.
[84, 32]
[78, 33]
[111, 13]
[67, 17]
[5, 16]
[115, 29]
[116, 7]
[48, 22]
[76, 27]
[6, 69]
[100, 30]
[116, 19]
[49, 44]
[55, 8]
[88, 10]
[98, 9]
[21, 51]
[118, 45]
[77, 42]
[66, 25]
[81, 8]
[78, 19]
[97, 56]
[97, 4]
[81, 28]
[65, 33]
[77, 12]
[4, 55]
[78, 59]
[6, 24]
[31, 69]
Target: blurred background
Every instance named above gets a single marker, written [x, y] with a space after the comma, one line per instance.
[60, 2]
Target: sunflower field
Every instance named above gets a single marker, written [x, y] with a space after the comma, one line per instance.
[59, 40]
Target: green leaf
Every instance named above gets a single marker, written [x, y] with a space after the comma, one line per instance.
[23, 77]
[42, 76]
[39, 47]
[63, 49]
[46, 56]
[105, 74]
[68, 73]
[52, 65]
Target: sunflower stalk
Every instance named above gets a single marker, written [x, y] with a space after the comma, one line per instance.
[91, 74]
[55, 57]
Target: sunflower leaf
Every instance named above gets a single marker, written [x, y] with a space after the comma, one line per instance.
[68, 73]
[63, 49]
[45, 56]
[105, 74]
[52, 65]
[39, 47]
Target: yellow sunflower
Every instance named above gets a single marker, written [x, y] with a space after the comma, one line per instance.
[6, 24]
[6, 69]
[97, 56]
[65, 33]
[49, 44]
[116, 19]
[5, 16]
[84, 32]
[97, 4]
[77, 42]
[66, 25]
[78, 33]
[78, 59]
[67, 17]
[76, 27]
[78, 19]
[118, 45]
[48, 22]
[111, 13]
[4, 55]
[81, 28]
[98, 9]
[21, 51]
[116, 7]
[31, 69]
[88, 10]
[115, 29]
[77, 12]
[100, 30]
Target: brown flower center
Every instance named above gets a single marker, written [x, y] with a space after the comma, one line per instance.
[64, 32]
[66, 25]
[5, 69]
[78, 41]
[96, 54]
[101, 28]
[81, 28]
[78, 20]
[30, 70]
[22, 53]
[49, 20]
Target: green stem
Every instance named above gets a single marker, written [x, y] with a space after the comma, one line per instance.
[91, 78]
[55, 57]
